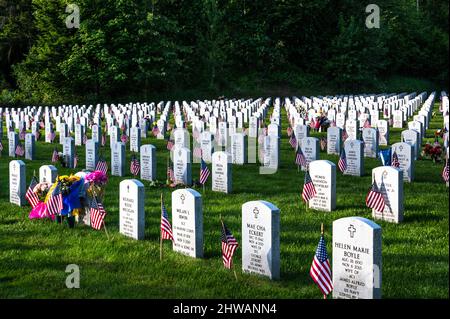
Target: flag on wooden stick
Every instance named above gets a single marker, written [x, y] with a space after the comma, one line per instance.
[320, 270]
[229, 246]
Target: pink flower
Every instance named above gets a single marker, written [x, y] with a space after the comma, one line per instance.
[97, 177]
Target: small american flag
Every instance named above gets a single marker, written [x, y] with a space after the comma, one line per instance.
[204, 172]
[195, 134]
[309, 191]
[102, 165]
[367, 124]
[375, 199]
[22, 134]
[52, 136]
[55, 156]
[344, 135]
[98, 214]
[333, 123]
[84, 139]
[42, 124]
[170, 145]
[75, 161]
[300, 158]
[103, 139]
[229, 246]
[166, 228]
[197, 152]
[55, 202]
[445, 172]
[170, 173]
[31, 196]
[155, 131]
[320, 269]
[395, 162]
[342, 164]
[289, 131]
[20, 151]
[323, 144]
[135, 166]
[293, 141]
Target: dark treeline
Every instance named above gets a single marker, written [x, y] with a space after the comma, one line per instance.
[145, 48]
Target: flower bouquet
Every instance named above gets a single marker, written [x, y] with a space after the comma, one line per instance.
[97, 181]
[432, 151]
[40, 210]
[70, 187]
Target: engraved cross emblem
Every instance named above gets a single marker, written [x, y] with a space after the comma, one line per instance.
[256, 212]
[352, 231]
[182, 197]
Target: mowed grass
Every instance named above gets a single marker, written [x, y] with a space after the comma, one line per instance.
[34, 253]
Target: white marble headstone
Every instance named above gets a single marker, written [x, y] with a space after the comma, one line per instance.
[356, 259]
[187, 222]
[261, 239]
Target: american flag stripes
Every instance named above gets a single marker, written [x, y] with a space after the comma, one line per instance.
[55, 202]
[300, 158]
[166, 228]
[98, 214]
[229, 246]
[309, 191]
[31, 196]
[344, 135]
[84, 139]
[445, 172]
[155, 130]
[321, 269]
[55, 156]
[293, 141]
[170, 145]
[135, 166]
[367, 124]
[204, 172]
[20, 151]
[22, 134]
[323, 144]
[342, 164]
[289, 131]
[375, 199]
[102, 165]
[103, 139]
[197, 152]
[395, 162]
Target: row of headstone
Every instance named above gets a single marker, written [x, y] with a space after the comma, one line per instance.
[356, 241]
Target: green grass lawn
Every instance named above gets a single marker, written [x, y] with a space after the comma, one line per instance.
[34, 253]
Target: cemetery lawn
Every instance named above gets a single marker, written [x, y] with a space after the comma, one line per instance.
[34, 253]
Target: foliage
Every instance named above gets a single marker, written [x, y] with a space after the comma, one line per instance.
[153, 48]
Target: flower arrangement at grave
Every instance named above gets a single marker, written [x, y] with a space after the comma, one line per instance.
[432, 151]
[40, 210]
[96, 181]
[71, 187]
